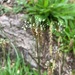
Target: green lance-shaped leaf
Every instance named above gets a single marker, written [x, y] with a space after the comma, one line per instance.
[46, 3]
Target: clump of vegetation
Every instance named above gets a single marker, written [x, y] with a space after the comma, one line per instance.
[59, 13]
[18, 67]
[55, 16]
[4, 10]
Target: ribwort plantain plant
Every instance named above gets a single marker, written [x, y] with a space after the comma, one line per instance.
[55, 16]
[52, 13]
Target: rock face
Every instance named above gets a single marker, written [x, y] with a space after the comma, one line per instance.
[13, 29]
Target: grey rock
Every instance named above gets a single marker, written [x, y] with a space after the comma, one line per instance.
[1, 1]
[12, 27]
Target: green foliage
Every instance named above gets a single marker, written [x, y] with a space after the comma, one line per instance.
[20, 7]
[68, 35]
[4, 10]
[52, 10]
[47, 10]
[18, 67]
[73, 72]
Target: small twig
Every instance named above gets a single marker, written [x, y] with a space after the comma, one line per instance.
[45, 68]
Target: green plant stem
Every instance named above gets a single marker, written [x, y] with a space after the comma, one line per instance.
[38, 56]
[38, 51]
[37, 37]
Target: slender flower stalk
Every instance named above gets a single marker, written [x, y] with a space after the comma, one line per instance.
[50, 36]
